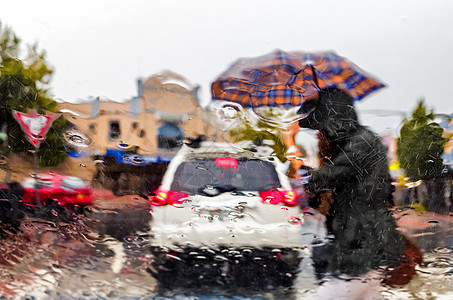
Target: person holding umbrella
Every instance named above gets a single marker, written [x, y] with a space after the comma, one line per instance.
[352, 185]
[354, 168]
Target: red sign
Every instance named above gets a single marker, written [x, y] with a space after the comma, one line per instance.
[35, 125]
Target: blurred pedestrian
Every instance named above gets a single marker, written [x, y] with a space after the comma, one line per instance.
[353, 166]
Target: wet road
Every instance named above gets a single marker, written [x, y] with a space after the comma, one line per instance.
[105, 254]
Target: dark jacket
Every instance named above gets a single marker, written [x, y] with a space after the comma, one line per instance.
[354, 167]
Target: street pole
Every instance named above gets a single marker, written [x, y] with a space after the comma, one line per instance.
[5, 141]
[36, 168]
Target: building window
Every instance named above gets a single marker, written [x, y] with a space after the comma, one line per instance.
[115, 131]
[142, 133]
[134, 125]
[169, 136]
[92, 128]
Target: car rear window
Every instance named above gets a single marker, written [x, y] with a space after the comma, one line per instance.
[245, 175]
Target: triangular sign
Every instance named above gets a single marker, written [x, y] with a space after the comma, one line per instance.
[35, 125]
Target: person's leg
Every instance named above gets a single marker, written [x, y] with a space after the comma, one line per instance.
[321, 256]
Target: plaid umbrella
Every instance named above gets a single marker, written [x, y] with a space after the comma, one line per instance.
[288, 79]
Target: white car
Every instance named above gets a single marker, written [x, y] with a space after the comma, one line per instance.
[226, 214]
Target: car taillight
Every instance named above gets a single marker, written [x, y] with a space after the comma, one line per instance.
[275, 196]
[167, 197]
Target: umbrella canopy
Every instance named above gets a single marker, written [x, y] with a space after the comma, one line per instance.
[287, 79]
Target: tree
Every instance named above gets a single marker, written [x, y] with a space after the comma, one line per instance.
[420, 145]
[259, 130]
[22, 87]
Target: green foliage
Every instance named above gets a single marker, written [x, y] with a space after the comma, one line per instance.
[22, 85]
[252, 130]
[420, 145]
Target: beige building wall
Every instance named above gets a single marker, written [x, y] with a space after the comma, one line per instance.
[162, 98]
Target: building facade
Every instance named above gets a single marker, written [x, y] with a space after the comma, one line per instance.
[165, 112]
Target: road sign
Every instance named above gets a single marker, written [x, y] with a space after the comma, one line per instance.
[35, 125]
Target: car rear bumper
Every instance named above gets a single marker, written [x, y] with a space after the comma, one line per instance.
[227, 234]
[244, 266]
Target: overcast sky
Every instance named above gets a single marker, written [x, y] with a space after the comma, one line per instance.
[102, 47]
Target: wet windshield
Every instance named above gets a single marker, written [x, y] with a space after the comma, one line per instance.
[245, 175]
[227, 150]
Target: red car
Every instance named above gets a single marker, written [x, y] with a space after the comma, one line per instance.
[68, 191]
